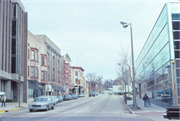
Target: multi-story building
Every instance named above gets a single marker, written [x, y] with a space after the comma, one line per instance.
[13, 48]
[67, 74]
[37, 67]
[158, 64]
[53, 53]
[78, 79]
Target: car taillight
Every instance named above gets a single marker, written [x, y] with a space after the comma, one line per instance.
[166, 111]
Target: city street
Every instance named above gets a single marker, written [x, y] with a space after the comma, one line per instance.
[103, 107]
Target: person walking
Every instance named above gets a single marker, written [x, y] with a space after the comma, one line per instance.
[3, 99]
[145, 98]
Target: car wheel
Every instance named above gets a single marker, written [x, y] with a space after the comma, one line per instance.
[30, 110]
[53, 107]
[47, 108]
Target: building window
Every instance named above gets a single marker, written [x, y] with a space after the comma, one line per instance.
[66, 76]
[28, 53]
[36, 72]
[32, 55]
[176, 35]
[32, 72]
[36, 56]
[42, 60]
[42, 75]
[66, 67]
[28, 70]
[76, 73]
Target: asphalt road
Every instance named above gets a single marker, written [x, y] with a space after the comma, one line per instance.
[100, 108]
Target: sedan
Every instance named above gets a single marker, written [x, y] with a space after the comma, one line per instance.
[81, 95]
[74, 96]
[54, 100]
[60, 98]
[172, 112]
[96, 93]
[68, 97]
[41, 103]
[92, 94]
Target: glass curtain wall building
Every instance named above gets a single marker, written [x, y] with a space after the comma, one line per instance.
[158, 64]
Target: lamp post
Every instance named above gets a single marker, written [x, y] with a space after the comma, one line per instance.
[125, 25]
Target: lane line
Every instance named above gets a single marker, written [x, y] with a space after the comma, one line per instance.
[95, 102]
[87, 107]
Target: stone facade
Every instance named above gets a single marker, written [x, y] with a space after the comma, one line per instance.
[13, 48]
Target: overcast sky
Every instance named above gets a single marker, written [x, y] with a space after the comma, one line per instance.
[90, 31]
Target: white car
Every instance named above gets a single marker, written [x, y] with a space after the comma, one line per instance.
[41, 103]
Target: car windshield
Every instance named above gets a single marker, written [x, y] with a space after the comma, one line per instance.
[40, 99]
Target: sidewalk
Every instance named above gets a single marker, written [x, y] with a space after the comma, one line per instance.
[12, 106]
[154, 112]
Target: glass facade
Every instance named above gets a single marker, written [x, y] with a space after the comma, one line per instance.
[175, 14]
[153, 65]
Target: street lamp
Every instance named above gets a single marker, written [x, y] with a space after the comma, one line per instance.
[125, 25]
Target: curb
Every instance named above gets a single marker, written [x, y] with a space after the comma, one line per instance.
[128, 108]
[4, 111]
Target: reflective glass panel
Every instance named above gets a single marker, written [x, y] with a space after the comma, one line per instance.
[177, 45]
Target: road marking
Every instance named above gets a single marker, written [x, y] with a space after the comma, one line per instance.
[87, 107]
[95, 102]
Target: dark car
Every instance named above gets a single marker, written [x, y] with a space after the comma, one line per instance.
[172, 112]
[60, 98]
[68, 97]
[92, 94]
[74, 96]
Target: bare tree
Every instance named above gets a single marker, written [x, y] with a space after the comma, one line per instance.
[125, 70]
[93, 79]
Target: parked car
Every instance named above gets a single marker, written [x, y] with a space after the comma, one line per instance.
[57, 100]
[172, 112]
[54, 100]
[110, 93]
[74, 96]
[103, 92]
[60, 98]
[81, 95]
[68, 97]
[92, 94]
[41, 103]
[96, 93]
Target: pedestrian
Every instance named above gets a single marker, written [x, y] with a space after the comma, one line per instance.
[145, 98]
[3, 99]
